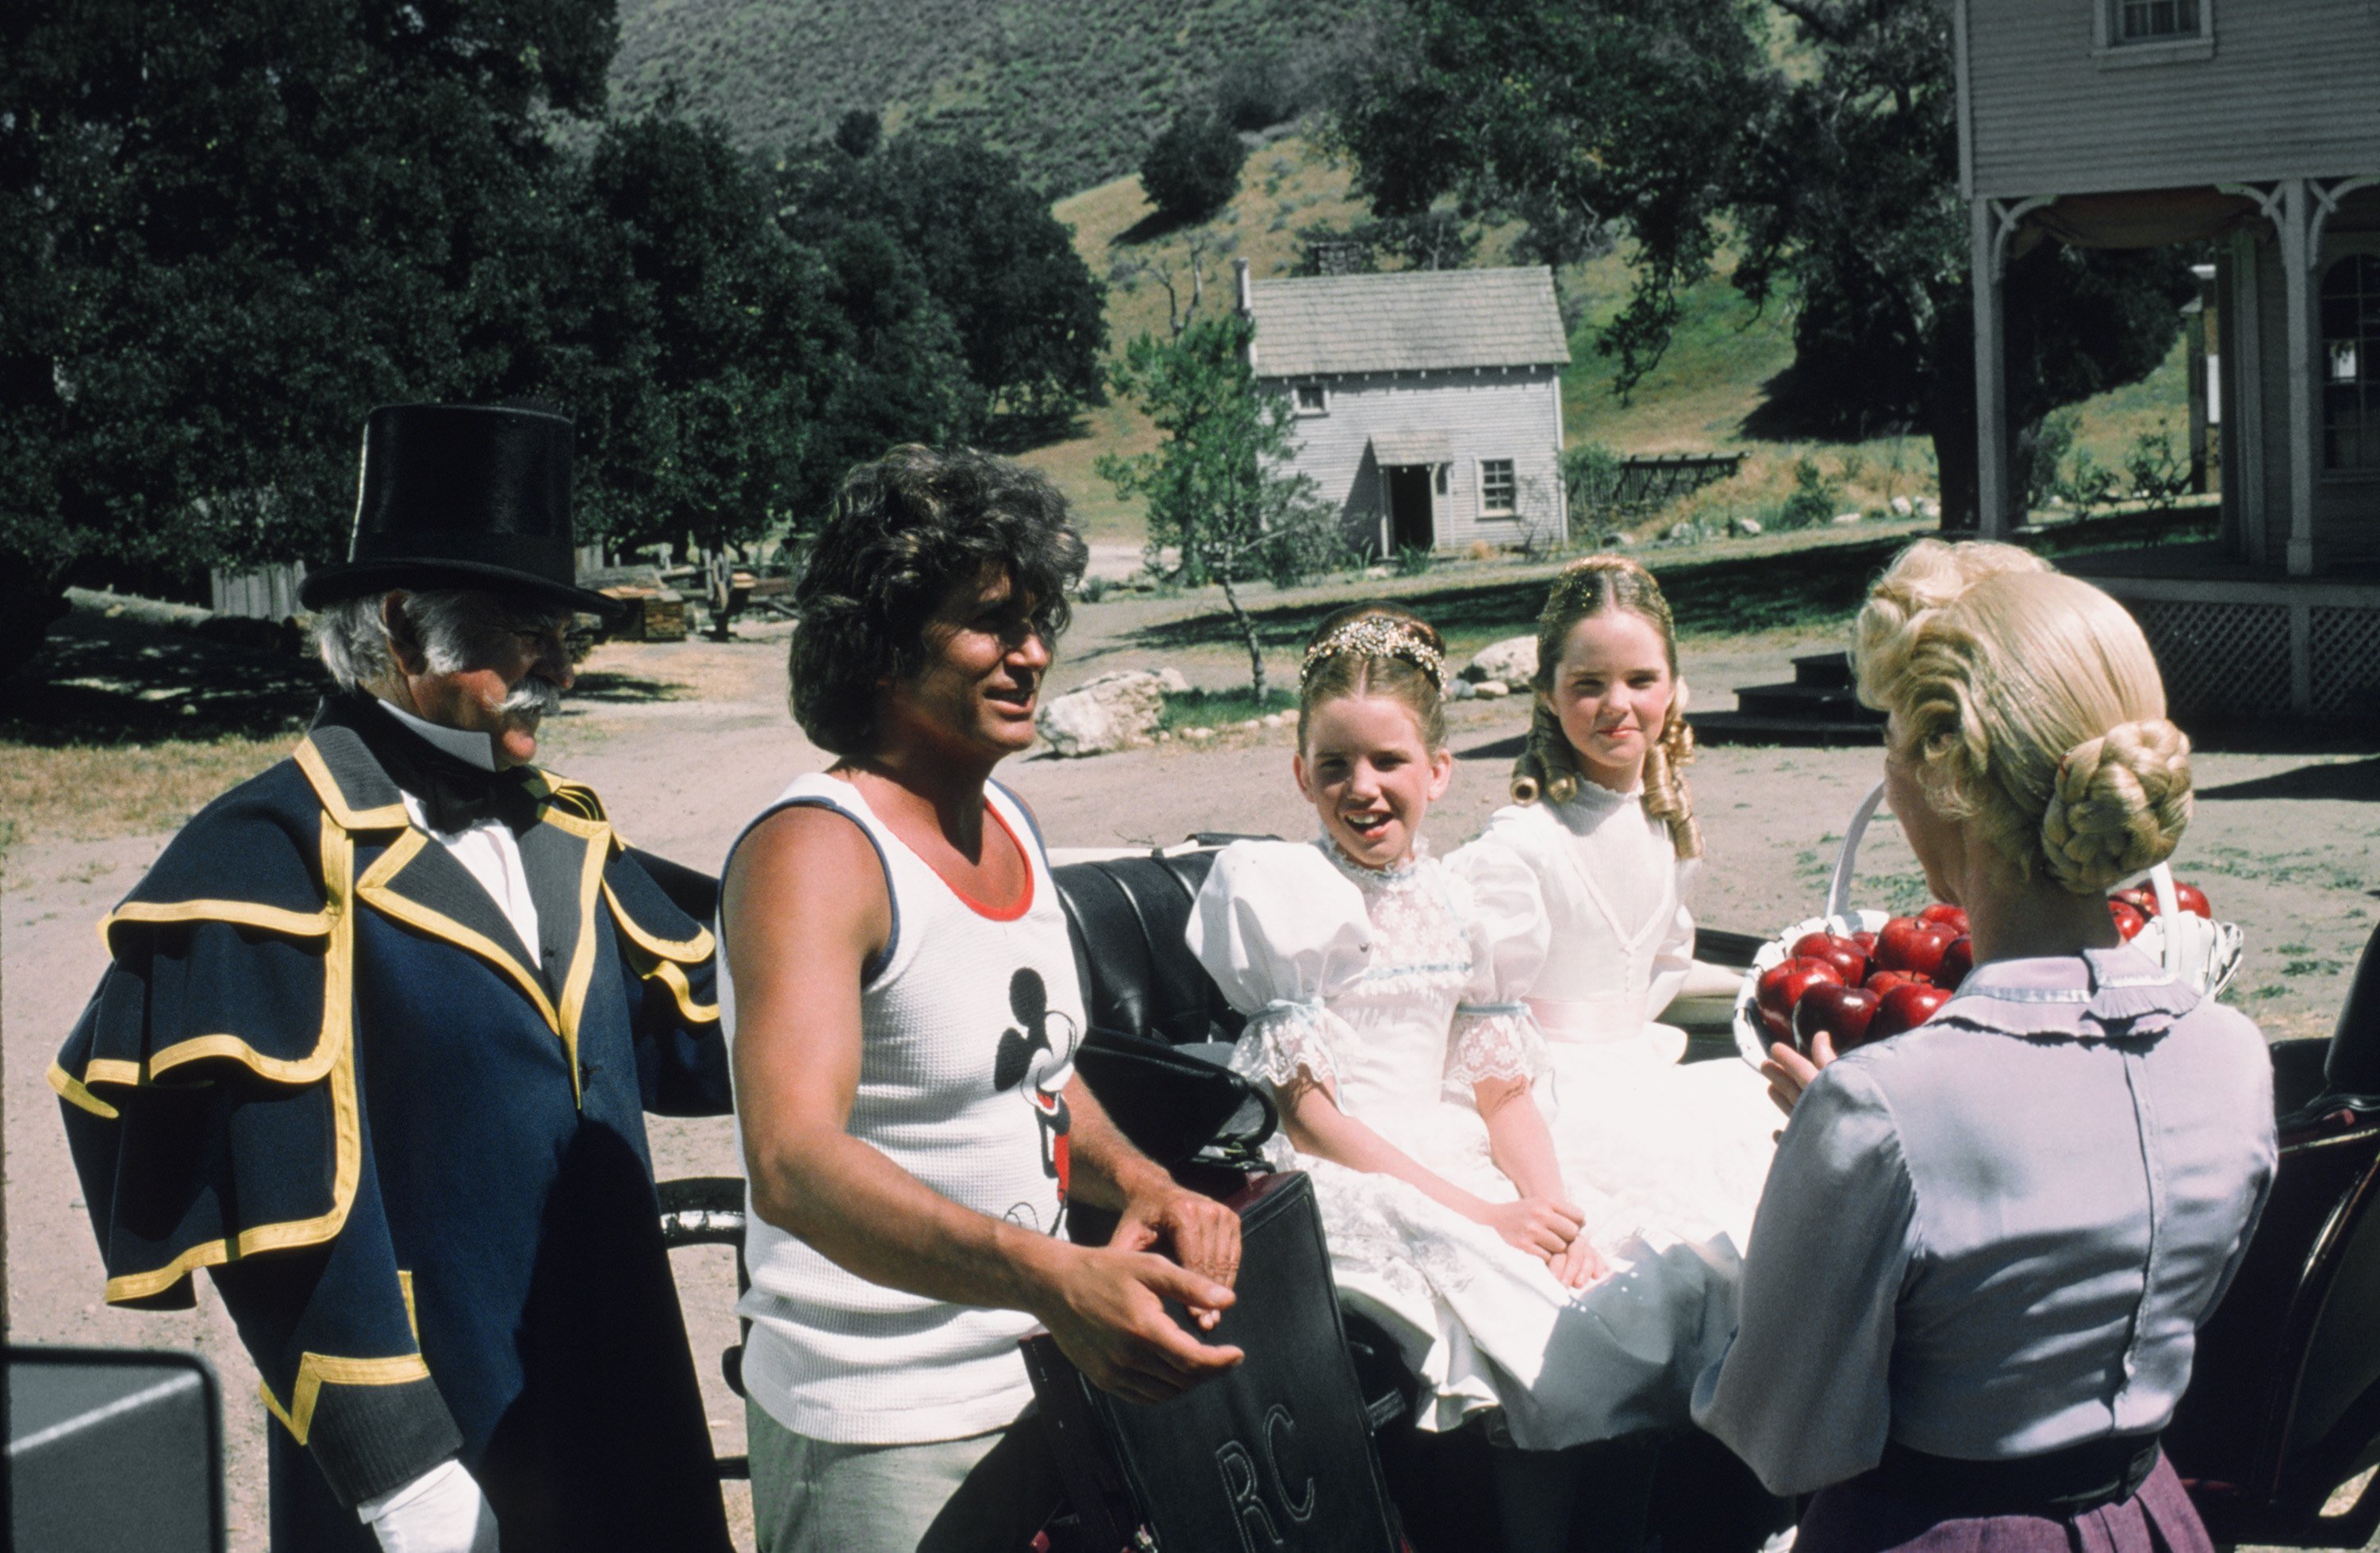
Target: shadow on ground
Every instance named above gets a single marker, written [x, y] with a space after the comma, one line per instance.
[601, 685]
[2353, 781]
[1798, 590]
[126, 679]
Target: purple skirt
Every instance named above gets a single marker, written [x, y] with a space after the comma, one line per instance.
[1865, 1516]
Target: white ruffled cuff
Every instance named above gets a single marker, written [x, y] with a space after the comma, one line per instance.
[1495, 1041]
[1288, 1043]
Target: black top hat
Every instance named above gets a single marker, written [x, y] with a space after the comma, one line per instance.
[462, 496]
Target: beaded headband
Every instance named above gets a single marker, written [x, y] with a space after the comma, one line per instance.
[1376, 636]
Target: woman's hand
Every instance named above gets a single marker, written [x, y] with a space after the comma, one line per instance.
[1789, 1072]
[1540, 1225]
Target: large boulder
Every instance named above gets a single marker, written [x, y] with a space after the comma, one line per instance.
[1511, 663]
[1108, 713]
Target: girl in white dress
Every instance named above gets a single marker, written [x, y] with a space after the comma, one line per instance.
[1383, 1014]
[1601, 838]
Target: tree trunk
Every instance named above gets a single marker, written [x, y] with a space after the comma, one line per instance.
[1951, 423]
[31, 600]
[1248, 635]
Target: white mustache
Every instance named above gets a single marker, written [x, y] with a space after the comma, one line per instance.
[533, 697]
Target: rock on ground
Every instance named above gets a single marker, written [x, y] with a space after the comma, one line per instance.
[1111, 712]
[1511, 663]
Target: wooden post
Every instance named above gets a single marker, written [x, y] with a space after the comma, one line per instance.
[2297, 225]
[1993, 504]
[2195, 326]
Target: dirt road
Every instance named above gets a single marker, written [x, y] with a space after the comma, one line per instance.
[686, 741]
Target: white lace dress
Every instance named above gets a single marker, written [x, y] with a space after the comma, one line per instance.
[1397, 991]
[1677, 1149]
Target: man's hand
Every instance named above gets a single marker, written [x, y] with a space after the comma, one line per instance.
[1537, 1224]
[1198, 1232]
[1106, 1310]
[1789, 1072]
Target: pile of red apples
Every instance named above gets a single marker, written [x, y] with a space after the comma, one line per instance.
[1859, 986]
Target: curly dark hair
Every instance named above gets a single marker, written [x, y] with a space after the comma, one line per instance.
[904, 531]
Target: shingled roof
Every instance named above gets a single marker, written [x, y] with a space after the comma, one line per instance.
[1416, 321]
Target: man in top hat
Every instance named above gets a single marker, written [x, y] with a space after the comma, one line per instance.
[376, 1041]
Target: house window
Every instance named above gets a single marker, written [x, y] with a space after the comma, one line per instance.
[2155, 21]
[1497, 487]
[1311, 400]
[1445, 480]
[2351, 358]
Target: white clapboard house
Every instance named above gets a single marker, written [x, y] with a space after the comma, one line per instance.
[2255, 124]
[1428, 402]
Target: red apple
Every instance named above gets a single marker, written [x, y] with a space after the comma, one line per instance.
[1866, 942]
[1907, 944]
[1957, 961]
[2140, 898]
[2128, 918]
[1782, 986]
[1904, 1008]
[1843, 1013]
[1952, 917]
[1882, 982]
[1840, 952]
[2189, 898]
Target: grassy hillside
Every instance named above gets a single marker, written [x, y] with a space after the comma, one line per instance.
[1076, 89]
[1695, 401]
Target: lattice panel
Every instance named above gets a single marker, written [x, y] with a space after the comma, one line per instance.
[2345, 644]
[2220, 659]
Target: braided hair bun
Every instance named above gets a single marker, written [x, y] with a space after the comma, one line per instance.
[2121, 805]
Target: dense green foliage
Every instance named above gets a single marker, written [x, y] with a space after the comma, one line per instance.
[1073, 88]
[1831, 169]
[228, 229]
[1031, 322]
[1215, 493]
[1191, 169]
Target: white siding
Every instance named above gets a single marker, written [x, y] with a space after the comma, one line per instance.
[2292, 89]
[1489, 414]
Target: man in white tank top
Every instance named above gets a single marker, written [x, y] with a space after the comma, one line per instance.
[904, 1008]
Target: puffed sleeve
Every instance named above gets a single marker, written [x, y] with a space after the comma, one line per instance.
[1504, 913]
[1674, 959]
[1802, 1396]
[1282, 932]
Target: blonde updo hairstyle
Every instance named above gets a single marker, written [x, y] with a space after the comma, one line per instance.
[1376, 650]
[1548, 767]
[2028, 704]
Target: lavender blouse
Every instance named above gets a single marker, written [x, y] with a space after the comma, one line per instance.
[1998, 1235]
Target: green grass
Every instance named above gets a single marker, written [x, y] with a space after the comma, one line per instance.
[1217, 709]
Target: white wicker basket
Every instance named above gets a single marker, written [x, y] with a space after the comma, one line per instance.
[2203, 953]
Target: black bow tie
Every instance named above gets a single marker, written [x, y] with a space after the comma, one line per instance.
[454, 794]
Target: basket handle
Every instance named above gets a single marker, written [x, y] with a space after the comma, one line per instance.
[1838, 890]
[2161, 881]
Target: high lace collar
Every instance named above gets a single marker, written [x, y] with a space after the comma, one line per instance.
[1594, 796]
[1375, 878]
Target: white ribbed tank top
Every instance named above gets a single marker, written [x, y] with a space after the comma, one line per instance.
[968, 1025]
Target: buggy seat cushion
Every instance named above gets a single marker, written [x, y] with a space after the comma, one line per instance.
[1126, 917]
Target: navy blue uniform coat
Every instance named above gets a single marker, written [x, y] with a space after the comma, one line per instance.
[410, 1152]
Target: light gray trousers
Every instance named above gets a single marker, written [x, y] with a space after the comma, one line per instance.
[985, 1494]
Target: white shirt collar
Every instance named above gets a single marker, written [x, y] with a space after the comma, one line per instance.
[463, 744]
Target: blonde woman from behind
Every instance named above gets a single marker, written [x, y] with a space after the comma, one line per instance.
[1988, 1244]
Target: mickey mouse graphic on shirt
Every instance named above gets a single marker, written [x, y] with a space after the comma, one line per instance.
[1034, 1059]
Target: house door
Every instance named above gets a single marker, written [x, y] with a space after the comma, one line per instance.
[1411, 519]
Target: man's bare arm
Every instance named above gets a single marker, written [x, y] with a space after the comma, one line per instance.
[796, 951]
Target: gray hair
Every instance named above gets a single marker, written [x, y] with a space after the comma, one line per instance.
[354, 642]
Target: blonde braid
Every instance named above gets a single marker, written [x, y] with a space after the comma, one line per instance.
[2120, 803]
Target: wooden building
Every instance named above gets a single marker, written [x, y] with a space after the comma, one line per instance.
[2255, 124]
[1428, 401]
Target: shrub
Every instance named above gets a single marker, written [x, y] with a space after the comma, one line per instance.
[2051, 444]
[1414, 559]
[1193, 167]
[2159, 475]
[1815, 498]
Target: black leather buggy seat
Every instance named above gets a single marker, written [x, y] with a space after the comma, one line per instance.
[1126, 917]
[2284, 1400]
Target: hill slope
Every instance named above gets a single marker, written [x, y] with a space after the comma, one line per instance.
[1074, 89]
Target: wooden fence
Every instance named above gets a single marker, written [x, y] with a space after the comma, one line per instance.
[1647, 483]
